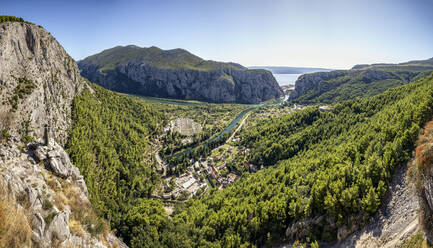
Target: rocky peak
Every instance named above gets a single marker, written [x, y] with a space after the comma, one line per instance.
[38, 81]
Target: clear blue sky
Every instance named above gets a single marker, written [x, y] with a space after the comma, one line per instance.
[334, 33]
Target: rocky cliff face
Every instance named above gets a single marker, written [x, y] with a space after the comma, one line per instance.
[221, 84]
[422, 177]
[43, 197]
[316, 84]
[314, 81]
[361, 81]
[38, 81]
[50, 197]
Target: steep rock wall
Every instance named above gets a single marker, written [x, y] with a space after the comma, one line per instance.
[38, 81]
[220, 85]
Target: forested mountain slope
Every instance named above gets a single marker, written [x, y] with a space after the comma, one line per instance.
[360, 81]
[177, 74]
[111, 145]
[330, 174]
[326, 171]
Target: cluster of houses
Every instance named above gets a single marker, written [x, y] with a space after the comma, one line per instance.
[213, 174]
[211, 171]
[186, 184]
[237, 138]
[199, 176]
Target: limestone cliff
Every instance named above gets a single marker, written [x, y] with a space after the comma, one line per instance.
[360, 81]
[38, 81]
[177, 74]
[43, 197]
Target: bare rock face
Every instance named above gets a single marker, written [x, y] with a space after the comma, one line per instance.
[33, 197]
[59, 229]
[57, 161]
[38, 81]
[38, 226]
[36, 188]
[312, 81]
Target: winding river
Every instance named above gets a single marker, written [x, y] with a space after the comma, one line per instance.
[226, 130]
[232, 124]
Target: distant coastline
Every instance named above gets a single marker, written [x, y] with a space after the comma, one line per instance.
[286, 79]
[290, 70]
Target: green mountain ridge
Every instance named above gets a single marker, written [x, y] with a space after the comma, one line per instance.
[360, 81]
[169, 59]
[422, 63]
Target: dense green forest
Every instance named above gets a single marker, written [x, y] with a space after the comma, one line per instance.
[110, 144]
[335, 164]
[341, 173]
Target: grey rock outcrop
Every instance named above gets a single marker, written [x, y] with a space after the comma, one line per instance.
[222, 84]
[38, 81]
[57, 160]
[38, 225]
[33, 196]
[312, 81]
[318, 83]
[35, 187]
[299, 230]
[59, 229]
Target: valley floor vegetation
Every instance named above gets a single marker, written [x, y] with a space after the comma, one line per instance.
[212, 118]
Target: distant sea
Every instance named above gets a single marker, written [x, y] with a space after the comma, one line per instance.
[286, 79]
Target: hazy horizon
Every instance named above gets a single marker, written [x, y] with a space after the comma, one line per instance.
[336, 34]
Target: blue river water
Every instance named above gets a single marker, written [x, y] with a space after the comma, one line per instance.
[233, 124]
